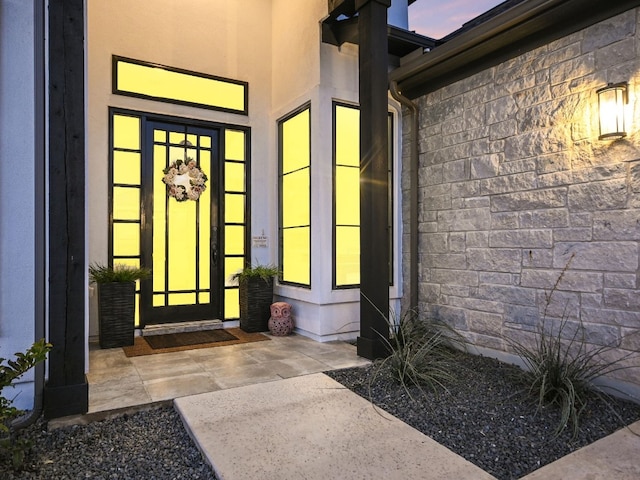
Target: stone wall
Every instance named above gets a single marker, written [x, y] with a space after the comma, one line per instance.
[516, 188]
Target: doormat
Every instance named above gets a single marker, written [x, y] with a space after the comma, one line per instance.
[188, 339]
[177, 342]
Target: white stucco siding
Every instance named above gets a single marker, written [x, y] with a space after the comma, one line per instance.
[227, 38]
[296, 48]
[275, 46]
[17, 200]
[307, 70]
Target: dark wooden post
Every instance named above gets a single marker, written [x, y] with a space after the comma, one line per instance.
[374, 180]
[66, 391]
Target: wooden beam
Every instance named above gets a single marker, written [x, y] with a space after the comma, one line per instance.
[66, 390]
[374, 181]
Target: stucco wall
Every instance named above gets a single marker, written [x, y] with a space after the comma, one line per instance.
[216, 38]
[308, 70]
[17, 198]
[514, 182]
[274, 45]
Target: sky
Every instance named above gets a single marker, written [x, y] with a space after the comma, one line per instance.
[437, 18]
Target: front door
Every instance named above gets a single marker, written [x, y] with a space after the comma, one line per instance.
[180, 236]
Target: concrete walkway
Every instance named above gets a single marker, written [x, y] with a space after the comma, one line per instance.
[311, 427]
[252, 421]
[116, 381]
[616, 457]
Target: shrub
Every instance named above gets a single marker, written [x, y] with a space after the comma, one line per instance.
[9, 372]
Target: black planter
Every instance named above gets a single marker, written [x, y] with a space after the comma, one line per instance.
[256, 297]
[116, 314]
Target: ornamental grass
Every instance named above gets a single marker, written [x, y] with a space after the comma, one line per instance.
[561, 367]
[421, 352]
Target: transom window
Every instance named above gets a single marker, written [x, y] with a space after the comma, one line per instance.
[159, 82]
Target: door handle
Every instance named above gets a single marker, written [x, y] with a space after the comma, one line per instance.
[214, 246]
[214, 253]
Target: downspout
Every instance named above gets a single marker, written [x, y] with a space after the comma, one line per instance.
[40, 218]
[413, 195]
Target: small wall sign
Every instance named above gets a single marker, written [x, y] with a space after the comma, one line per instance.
[260, 241]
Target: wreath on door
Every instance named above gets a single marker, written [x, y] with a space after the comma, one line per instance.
[184, 180]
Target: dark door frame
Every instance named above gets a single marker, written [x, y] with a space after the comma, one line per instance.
[148, 313]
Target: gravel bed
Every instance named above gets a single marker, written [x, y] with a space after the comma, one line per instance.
[151, 444]
[486, 417]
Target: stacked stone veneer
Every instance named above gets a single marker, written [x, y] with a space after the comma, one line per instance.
[514, 183]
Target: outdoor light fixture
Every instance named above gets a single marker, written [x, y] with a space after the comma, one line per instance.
[611, 102]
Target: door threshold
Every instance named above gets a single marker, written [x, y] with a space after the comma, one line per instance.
[180, 327]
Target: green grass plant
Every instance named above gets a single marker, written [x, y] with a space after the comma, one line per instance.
[263, 272]
[562, 371]
[420, 352]
[119, 273]
[561, 367]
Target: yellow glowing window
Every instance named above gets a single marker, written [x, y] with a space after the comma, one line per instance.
[234, 145]
[234, 208]
[234, 240]
[126, 203]
[234, 177]
[159, 82]
[232, 265]
[347, 195]
[235, 205]
[347, 255]
[295, 198]
[346, 192]
[295, 195]
[126, 168]
[347, 136]
[126, 132]
[231, 303]
[296, 256]
[296, 145]
[126, 239]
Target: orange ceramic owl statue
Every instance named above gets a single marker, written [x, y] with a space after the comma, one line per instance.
[281, 322]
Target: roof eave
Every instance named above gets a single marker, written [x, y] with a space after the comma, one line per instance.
[400, 41]
[524, 27]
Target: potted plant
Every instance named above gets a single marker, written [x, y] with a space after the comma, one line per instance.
[116, 302]
[256, 296]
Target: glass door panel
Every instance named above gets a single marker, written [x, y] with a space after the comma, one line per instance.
[180, 237]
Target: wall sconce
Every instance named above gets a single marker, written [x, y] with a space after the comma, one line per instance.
[611, 102]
